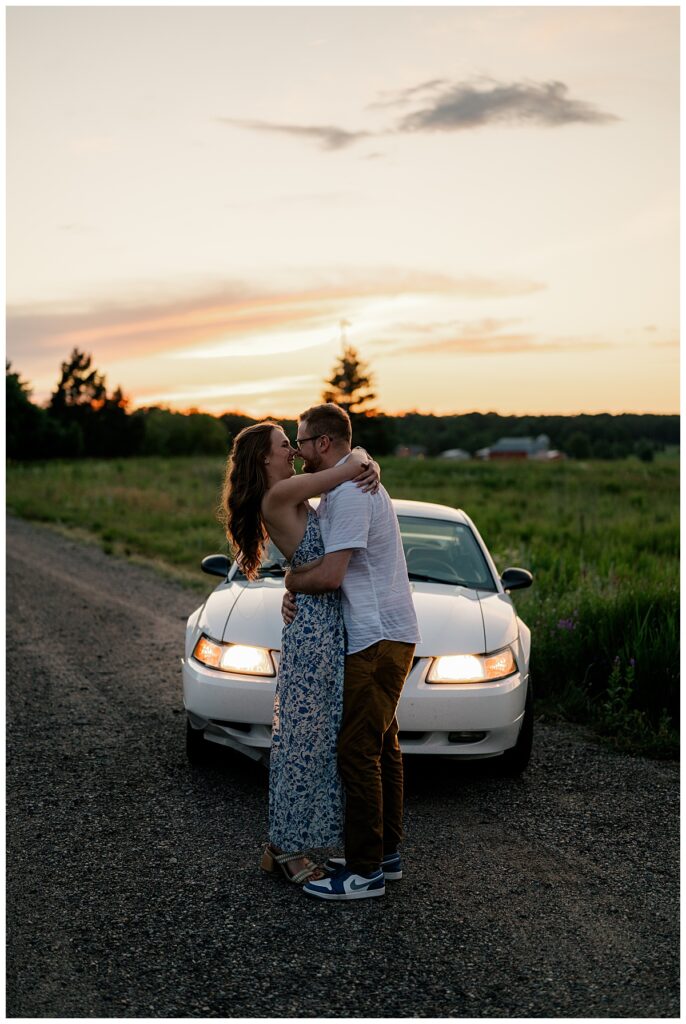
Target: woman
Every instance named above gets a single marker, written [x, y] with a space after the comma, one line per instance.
[264, 498]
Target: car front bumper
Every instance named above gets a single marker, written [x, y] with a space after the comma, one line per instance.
[467, 720]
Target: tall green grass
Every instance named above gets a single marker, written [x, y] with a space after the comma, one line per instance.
[601, 538]
[157, 509]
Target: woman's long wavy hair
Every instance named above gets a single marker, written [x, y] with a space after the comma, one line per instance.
[245, 482]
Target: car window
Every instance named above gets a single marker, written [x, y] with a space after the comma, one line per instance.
[272, 563]
[444, 551]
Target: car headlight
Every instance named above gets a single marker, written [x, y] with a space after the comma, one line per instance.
[249, 661]
[472, 668]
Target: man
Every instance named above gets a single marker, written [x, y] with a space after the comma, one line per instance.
[364, 557]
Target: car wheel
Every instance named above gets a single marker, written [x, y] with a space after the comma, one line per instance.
[514, 761]
[196, 746]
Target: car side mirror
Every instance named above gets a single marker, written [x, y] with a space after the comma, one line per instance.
[216, 565]
[516, 579]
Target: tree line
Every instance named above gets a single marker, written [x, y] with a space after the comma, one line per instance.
[83, 419]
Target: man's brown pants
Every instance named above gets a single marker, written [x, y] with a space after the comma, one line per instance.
[369, 757]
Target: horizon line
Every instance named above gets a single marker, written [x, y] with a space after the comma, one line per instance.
[189, 410]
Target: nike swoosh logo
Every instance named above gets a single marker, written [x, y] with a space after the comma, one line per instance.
[361, 885]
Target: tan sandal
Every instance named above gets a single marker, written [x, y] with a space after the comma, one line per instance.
[273, 859]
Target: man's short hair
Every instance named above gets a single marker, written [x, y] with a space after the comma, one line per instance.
[329, 419]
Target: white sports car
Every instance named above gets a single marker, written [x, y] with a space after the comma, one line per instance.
[468, 693]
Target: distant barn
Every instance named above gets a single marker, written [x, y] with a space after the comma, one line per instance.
[521, 448]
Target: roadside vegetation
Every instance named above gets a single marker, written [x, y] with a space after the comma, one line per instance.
[601, 538]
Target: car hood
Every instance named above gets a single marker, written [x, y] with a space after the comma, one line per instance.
[213, 614]
[452, 620]
[253, 615]
[500, 620]
[457, 620]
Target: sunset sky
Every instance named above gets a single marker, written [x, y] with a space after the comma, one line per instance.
[486, 198]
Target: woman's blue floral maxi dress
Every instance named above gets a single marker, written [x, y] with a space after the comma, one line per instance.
[305, 790]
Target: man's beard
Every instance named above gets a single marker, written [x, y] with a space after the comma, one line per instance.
[312, 465]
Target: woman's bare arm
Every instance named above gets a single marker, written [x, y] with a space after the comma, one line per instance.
[309, 485]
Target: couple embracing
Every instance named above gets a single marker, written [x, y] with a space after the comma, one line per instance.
[335, 772]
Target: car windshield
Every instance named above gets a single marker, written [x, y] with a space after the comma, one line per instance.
[441, 551]
[273, 563]
[436, 550]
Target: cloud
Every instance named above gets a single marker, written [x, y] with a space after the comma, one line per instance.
[230, 315]
[467, 105]
[149, 326]
[400, 97]
[487, 336]
[210, 394]
[329, 136]
[454, 107]
[147, 345]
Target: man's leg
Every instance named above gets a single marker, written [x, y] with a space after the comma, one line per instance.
[392, 786]
[359, 762]
[373, 681]
[398, 663]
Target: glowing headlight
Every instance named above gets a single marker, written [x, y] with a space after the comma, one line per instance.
[249, 661]
[255, 661]
[472, 668]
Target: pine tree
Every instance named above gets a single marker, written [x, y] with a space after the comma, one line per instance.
[351, 383]
[351, 387]
[81, 404]
[79, 386]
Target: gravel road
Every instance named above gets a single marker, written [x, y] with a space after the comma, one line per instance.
[133, 887]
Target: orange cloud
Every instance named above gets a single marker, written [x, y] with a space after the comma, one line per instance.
[235, 312]
[487, 336]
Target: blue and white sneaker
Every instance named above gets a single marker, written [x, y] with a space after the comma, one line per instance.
[344, 885]
[391, 866]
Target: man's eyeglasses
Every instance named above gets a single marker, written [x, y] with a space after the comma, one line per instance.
[300, 441]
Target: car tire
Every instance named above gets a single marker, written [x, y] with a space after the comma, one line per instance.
[514, 761]
[196, 746]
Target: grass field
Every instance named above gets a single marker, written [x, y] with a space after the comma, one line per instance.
[601, 538]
